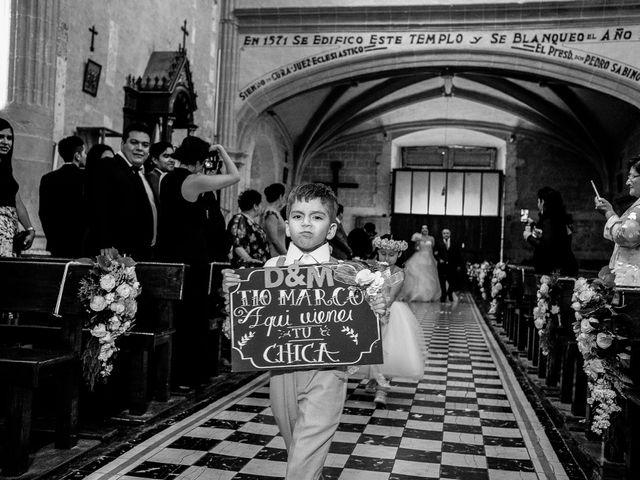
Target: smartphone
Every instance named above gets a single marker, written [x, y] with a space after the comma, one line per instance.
[524, 215]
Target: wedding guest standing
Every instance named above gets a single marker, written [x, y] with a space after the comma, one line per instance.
[272, 221]
[551, 236]
[122, 207]
[624, 230]
[185, 237]
[12, 209]
[160, 163]
[340, 248]
[62, 201]
[250, 246]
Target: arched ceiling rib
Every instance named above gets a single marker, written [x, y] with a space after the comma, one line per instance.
[565, 114]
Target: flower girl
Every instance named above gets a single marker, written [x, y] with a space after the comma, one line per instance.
[402, 340]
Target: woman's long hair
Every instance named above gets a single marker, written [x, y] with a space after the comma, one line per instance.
[5, 160]
[553, 205]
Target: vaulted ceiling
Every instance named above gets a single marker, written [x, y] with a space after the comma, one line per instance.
[593, 124]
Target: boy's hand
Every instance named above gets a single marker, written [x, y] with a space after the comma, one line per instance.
[229, 279]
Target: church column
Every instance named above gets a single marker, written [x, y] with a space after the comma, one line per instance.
[31, 96]
[226, 128]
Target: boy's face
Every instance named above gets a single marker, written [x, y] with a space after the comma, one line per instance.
[309, 224]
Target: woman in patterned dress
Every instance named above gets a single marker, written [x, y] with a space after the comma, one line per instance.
[250, 245]
[12, 209]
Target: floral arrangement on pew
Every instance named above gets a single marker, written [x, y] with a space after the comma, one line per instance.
[546, 313]
[472, 271]
[600, 333]
[497, 287]
[109, 294]
[483, 272]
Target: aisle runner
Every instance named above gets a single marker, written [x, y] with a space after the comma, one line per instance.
[466, 419]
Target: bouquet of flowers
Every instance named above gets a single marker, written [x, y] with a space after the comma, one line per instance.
[599, 331]
[499, 275]
[109, 295]
[370, 274]
[483, 272]
[546, 313]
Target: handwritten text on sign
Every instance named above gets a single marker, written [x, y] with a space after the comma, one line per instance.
[300, 317]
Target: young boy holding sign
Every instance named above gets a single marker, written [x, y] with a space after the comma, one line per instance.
[307, 404]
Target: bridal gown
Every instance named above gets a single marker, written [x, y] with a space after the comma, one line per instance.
[421, 282]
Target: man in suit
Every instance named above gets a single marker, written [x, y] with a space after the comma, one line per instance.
[62, 203]
[339, 245]
[160, 162]
[123, 210]
[447, 253]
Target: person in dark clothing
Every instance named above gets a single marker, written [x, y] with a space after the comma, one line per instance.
[360, 239]
[447, 253]
[62, 201]
[340, 248]
[551, 236]
[186, 237]
[122, 210]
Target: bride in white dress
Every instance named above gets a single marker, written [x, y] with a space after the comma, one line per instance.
[421, 282]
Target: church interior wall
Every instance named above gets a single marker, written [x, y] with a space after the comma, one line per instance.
[127, 35]
[361, 161]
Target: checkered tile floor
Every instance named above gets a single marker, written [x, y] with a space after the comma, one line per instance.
[466, 419]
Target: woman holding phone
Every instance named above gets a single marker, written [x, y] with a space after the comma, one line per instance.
[624, 230]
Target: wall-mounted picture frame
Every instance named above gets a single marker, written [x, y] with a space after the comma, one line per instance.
[91, 79]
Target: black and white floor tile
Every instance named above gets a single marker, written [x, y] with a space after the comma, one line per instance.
[467, 418]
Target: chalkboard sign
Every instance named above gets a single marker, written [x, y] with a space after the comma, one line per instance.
[300, 317]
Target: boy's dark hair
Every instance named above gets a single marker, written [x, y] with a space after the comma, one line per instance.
[309, 191]
[634, 162]
[69, 146]
[158, 149]
[340, 209]
[135, 127]
[249, 198]
[192, 150]
[273, 192]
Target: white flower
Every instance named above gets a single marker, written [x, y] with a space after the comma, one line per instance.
[107, 282]
[585, 326]
[555, 309]
[110, 297]
[364, 277]
[604, 340]
[114, 323]
[539, 323]
[130, 272]
[576, 305]
[98, 303]
[99, 331]
[123, 290]
[545, 279]
[544, 288]
[117, 307]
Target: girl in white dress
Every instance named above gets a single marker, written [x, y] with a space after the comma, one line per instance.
[421, 270]
[402, 340]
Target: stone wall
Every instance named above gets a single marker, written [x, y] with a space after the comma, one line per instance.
[365, 163]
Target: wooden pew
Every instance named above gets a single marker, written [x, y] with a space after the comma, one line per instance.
[150, 342]
[31, 352]
[151, 336]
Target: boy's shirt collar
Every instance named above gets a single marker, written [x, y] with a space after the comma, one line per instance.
[322, 254]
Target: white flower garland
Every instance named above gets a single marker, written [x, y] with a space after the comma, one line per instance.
[543, 312]
[109, 294]
[499, 274]
[594, 342]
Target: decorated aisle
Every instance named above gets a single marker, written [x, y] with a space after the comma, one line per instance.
[466, 418]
